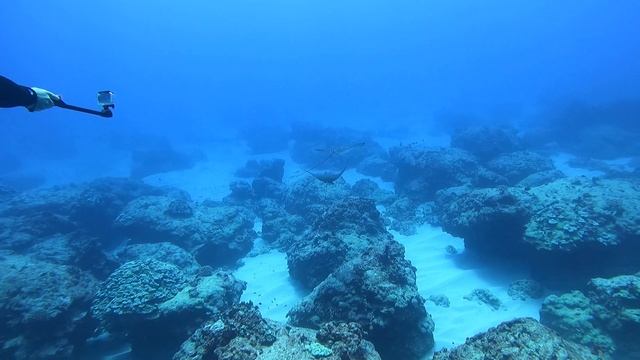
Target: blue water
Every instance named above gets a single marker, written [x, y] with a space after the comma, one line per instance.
[189, 68]
[200, 75]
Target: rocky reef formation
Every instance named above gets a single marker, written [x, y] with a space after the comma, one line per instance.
[424, 171]
[516, 166]
[161, 157]
[155, 306]
[331, 148]
[88, 208]
[486, 142]
[563, 229]
[217, 234]
[241, 333]
[359, 274]
[604, 316]
[44, 308]
[519, 339]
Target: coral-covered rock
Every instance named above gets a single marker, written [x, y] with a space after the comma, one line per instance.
[490, 220]
[422, 172]
[44, 308]
[156, 306]
[367, 188]
[163, 251]
[272, 169]
[406, 215]
[88, 208]
[309, 197]
[541, 178]
[486, 142]
[344, 231]
[359, 274]
[573, 212]
[378, 165]
[279, 228]
[377, 290]
[346, 341]
[520, 339]
[525, 289]
[241, 333]
[134, 292]
[573, 317]
[241, 192]
[264, 187]
[77, 250]
[237, 333]
[518, 165]
[569, 230]
[604, 317]
[217, 234]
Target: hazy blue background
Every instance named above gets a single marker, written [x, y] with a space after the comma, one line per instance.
[191, 68]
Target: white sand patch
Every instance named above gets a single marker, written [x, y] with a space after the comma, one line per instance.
[268, 284]
[210, 179]
[439, 273]
[561, 162]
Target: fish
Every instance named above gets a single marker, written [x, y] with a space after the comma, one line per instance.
[334, 152]
[327, 177]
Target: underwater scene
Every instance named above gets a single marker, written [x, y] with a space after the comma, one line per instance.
[320, 180]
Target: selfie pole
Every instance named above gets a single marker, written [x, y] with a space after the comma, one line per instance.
[105, 99]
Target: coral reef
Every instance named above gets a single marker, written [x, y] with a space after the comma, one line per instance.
[378, 165]
[236, 333]
[309, 197]
[217, 234]
[486, 142]
[518, 165]
[163, 251]
[156, 306]
[272, 169]
[562, 228]
[359, 274]
[44, 308]
[87, 208]
[541, 178]
[520, 339]
[241, 333]
[525, 289]
[489, 220]
[422, 172]
[604, 316]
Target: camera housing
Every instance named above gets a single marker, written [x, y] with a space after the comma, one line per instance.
[105, 99]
